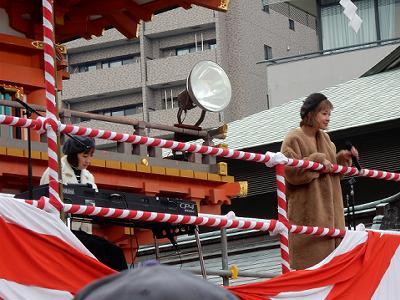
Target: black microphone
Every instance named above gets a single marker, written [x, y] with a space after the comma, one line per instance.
[349, 145]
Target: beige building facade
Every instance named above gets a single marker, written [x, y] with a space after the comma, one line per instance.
[141, 78]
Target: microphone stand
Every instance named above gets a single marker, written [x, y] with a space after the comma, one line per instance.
[28, 112]
[350, 203]
[28, 115]
[347, 216]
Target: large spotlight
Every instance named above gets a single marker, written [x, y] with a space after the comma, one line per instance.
[207, 87]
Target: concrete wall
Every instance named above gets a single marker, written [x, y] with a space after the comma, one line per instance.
[291, 80]
[103, 53]
[107, 102]
[178, 19]
[102, 81]
[111, 36]
[175, 68]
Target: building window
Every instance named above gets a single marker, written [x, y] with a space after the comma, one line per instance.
[118, 113]
[169, 101]
[184, 51]
[129, 111]
[267, 52]
[378, 24]
[120, 61]
[201, 46]
[105, 64]
[291, 24]
[130, 60]
[90, 67]
[198, 44]
[265, 5]
[115, 63]
[210, 44]
[85, 67]
[121, 111]
[6, 110]
[389, 12]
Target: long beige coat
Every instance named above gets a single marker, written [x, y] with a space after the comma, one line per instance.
[313, 199]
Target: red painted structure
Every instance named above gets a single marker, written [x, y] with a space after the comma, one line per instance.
[22, 71]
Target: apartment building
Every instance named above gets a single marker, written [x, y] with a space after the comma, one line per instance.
[141, 78]
[343, 54]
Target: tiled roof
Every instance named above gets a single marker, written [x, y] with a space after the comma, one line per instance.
[358, 102]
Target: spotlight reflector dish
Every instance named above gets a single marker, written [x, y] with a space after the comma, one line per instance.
[209, 86]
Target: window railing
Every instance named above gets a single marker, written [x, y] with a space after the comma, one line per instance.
[128, 110]
[197, 46]
[104, 64]
[295, 14]
[331, 51]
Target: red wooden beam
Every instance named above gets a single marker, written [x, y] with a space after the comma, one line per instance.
[124, 24]
[76, 13]
[95, 7]
[76, 29]
[183, 3]
[221, 5]
[138, 11]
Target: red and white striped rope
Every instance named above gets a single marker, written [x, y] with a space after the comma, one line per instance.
[350, 171]
[20, 122]
[208, 220]
[137, 139]
[195, 148]
[161, 143]
[318, 231]
[146, 216]
[51, 111]
[282, 217]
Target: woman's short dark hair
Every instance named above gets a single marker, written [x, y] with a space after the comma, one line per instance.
[313, 104]
[73, 159]
[78, 144]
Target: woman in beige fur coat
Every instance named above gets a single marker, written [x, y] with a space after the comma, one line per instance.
[314, 198]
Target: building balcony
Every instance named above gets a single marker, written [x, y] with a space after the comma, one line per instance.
[297, 76]
[110, 37]
[175, 68]
[112, 81]
[177, 20]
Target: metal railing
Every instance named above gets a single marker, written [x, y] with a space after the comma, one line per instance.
[67, 113]
[330, 51]
[123, 151]
[228, 271]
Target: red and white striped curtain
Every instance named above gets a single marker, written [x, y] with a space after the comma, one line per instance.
[366, 265]
[40, 259]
